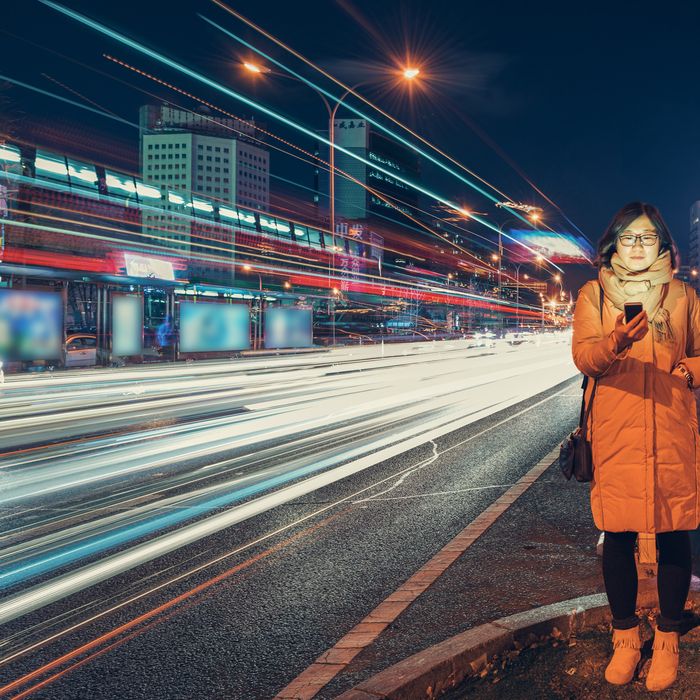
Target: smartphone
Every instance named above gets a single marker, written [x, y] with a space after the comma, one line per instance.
[632, 309]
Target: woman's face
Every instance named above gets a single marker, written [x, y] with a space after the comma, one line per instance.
[638, 256]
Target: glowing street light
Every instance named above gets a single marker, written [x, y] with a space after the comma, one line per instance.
[411, 73]
[255, 68]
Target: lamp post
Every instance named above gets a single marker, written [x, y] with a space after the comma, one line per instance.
[534, 218]
[408, 74]
[542, 300]
[258, 330]
[517, 294]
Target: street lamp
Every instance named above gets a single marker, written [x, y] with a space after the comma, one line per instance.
[335, 292]
[542, 301]
[258, 333]
[255, 68]
[534, 217]
[409, 73]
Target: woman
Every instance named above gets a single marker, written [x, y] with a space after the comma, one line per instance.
[643, 427]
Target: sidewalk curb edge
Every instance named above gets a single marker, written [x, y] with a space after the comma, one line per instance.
[428, 673]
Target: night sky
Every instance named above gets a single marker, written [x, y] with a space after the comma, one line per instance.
[595, 104]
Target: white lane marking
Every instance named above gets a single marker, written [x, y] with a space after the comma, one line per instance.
[404, 476]
[42, 594]
[439, 493]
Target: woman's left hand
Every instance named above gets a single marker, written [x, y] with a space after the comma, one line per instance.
[678, 372]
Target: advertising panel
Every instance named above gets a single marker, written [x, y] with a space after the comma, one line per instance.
[140, 266]
[213, 327]
[127, 324]
[557, 247]
[288, 327]
[31, 325]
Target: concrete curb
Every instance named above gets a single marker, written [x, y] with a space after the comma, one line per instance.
[434, 670]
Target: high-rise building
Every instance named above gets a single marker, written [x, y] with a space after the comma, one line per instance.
[694, 251]
[352, 200]
[200, 154]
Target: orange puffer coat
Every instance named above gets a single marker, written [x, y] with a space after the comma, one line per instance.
[643, 425]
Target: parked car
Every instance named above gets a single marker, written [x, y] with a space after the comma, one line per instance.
[80, 350]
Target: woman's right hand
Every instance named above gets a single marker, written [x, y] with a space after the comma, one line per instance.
[627, 333]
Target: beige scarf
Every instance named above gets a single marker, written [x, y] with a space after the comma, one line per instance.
[647, 286]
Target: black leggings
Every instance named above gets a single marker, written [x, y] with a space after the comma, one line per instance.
[620, 576]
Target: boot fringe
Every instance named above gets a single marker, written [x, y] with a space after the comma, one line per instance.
[666, 641]
[627, 639]
[627, 644]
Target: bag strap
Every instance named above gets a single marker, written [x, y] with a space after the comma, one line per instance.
[585, 410]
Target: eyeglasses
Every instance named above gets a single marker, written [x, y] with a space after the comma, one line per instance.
[628, 240]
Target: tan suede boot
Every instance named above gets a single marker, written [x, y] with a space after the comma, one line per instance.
[627, 645]
[664, 661]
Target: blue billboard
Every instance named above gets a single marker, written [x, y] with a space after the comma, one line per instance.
[288, 327]
[31, 325]
[127, 324]
[214, 327]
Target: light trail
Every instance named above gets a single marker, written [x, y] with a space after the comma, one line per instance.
[352, 91]
[417, 406]
[73, 103]
[265, 110]
[152, 614]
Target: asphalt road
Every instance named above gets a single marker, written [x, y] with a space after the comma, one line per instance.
[260, 601]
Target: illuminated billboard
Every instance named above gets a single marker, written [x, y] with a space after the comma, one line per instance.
[288, 327]
[31, 325]
[127, 324]
[557, 247]
[141, 266]
[214, 327]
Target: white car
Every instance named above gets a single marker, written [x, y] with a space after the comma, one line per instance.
[80, 350]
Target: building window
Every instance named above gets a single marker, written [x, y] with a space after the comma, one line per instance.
[217, 149]
[208, 148]
[150, 146]
[200, 147]
[170, 145]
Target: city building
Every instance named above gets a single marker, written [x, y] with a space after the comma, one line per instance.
[197, 153]
[352, 200]
[694, 252]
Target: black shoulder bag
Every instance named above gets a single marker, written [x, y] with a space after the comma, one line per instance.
[575, 454]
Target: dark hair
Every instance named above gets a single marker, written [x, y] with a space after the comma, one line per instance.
[621, 220]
